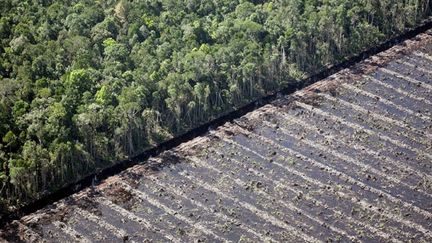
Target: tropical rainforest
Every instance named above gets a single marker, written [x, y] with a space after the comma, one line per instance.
[86, 83]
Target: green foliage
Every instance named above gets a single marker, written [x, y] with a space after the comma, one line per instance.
[85, 83]
[20, 108]
[9, 139]
[102, 96]
[109, 42]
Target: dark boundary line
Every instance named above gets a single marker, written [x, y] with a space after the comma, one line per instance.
[202, 129]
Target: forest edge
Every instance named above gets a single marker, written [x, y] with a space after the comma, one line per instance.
[7, 217]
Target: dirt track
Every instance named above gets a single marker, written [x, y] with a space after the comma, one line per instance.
[346, 159]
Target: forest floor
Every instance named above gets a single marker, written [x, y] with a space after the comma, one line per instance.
[346, 159]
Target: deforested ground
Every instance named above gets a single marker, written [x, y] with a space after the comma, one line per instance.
[346, 159]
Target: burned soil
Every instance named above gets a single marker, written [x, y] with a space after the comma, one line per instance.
[346, 159]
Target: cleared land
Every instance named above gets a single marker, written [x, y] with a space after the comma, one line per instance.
[346, 159]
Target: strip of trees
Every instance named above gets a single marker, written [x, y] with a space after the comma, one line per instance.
[85, 83]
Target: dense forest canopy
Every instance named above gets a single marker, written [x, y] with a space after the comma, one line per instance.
[86, 83]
